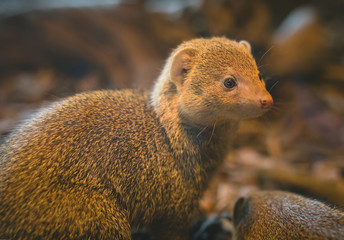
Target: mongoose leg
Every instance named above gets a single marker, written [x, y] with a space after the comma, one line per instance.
[165, 232]
[68, 213]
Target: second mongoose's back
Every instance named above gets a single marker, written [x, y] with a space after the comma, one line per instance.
[269, 215]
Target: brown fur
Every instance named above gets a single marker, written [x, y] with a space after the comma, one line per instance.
[281, 215]
[99, 163]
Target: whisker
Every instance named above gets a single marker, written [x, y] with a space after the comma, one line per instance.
[263, 65]
[202, 131]
[284, 103]
[281, 107]
[273, 85]
[267, 79]
[265, 54]
[212, 133]
[285, 108]
[277, 109]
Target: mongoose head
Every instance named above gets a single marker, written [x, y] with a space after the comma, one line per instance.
[272, 215]
[215, 80]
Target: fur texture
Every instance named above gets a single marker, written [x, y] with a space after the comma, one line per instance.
[97, 164]
[269, 215]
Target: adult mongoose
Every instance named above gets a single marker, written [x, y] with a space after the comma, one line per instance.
[270, 215]
[97, 164]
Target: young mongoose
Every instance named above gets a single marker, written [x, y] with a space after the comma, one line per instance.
[270, 215]
[97, 164]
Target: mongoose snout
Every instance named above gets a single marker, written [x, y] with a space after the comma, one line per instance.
[266, 102]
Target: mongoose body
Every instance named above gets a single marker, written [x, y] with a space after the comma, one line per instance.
[97, 164]
[269, 215]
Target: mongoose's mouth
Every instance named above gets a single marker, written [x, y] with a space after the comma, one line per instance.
[246, 111]
[266, 103]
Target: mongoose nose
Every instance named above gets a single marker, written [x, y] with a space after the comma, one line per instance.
[266, 103]
[241, 211]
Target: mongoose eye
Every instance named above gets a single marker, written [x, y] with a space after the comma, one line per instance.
[260, 76]
[229, 83]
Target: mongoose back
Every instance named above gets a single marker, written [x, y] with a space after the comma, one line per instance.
[97, 164]
[270, 215]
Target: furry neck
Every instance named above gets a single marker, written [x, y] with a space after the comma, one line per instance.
[184, 137]
[198, 149]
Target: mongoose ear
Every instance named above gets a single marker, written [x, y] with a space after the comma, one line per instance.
[246, 44]
[181, 65]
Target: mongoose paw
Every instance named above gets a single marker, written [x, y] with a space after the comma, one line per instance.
[144, 234]
[213, 228]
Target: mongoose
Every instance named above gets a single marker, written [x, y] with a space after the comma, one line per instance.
[97, 164]
[268, 215]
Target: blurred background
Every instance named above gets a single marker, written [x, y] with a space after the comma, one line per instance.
[52, 49]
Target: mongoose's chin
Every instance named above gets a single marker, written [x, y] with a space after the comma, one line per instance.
[224, 115]
[258, 114]
[221, 119]
[253, 113]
